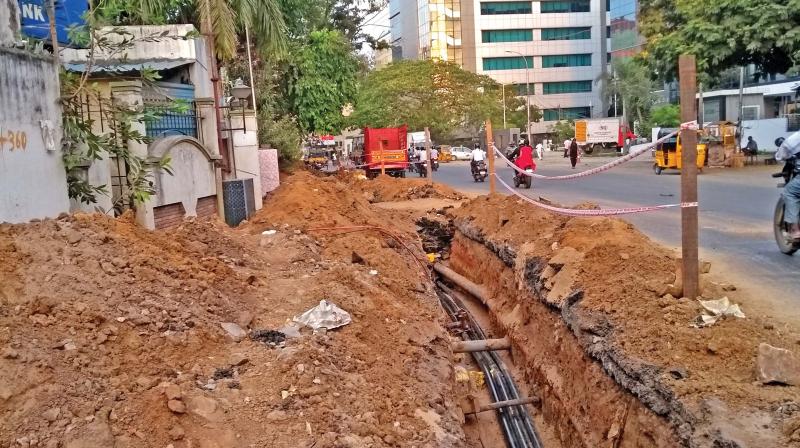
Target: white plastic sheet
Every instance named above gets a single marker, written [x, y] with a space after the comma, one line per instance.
[325, 315]
[718, 309]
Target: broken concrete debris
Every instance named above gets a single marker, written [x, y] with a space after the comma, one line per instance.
[777, 365]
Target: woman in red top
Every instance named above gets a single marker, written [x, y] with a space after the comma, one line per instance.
[523, 156]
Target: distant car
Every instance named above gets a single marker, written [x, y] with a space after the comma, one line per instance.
[461, 153]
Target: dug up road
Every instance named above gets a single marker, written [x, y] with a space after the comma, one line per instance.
[113, 336]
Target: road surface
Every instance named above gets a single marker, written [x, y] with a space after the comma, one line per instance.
[736, 208]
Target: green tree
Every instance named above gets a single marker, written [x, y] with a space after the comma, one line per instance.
[323, 81]
[666, 116]
[629, 82]
[562, 130]
[721, 34]
[438, 95]
[227, 19]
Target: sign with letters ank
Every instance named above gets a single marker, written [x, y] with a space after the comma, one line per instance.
[36, 23]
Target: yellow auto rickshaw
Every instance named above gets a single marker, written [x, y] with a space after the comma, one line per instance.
[445, 154]
[668, 153]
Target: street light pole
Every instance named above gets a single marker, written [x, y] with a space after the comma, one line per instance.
[503, 86]
[527, 92]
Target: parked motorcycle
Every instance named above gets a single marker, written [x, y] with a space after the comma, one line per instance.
[785, 244]
[523, 179]
[479, 171]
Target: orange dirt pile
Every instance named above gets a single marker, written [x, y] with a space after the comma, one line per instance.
[389, 189]
[624, 278]
[110, 336]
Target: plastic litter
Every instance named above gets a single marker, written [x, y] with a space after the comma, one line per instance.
[269, 232]
[373, 272]
[325, 315]
[718, 309]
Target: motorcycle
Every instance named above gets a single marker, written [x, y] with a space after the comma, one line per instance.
[435, 166]
[523, 179]
[785, 244]
[479, 171]
[421, 167]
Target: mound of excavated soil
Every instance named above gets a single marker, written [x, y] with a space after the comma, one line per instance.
[390, 189]
[623, 277]
[111, 336]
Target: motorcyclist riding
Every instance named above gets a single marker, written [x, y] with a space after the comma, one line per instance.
[523, 155]
[788, 150]
[478, 155]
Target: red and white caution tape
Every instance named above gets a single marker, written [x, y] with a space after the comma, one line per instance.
[590, 212]
[616, 162]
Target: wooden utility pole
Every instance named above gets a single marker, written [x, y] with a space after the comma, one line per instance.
[51, 17]
[428, 152]
[490, 155]
[689, 224]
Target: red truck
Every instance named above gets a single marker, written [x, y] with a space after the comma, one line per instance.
[386, 150]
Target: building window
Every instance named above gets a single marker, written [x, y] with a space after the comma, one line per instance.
[552, 88]
[567, 60]
[565, 6]
[491, 36]
[575, 33]
[506, 63]
[566, 113]
[750, 112]
[496, 8]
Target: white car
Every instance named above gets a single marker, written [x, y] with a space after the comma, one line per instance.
[461, 153]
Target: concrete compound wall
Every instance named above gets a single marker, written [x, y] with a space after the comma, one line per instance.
[193, 176]
[33, 183]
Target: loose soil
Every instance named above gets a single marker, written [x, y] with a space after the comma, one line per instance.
[111, 335]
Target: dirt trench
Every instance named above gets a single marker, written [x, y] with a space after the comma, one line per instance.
[580, 402]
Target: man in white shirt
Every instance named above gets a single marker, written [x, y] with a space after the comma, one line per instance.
[478, 155]
[539, 150]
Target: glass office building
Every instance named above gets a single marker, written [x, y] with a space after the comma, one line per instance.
[623, 34]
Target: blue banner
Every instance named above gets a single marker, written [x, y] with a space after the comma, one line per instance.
[36, 24]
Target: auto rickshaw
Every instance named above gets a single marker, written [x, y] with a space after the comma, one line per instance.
[668, 153]
[445, 154]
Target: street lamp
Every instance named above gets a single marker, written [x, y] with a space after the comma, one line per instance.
[527, 92]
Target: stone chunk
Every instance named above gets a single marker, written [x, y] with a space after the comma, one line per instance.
[234, 332]
[777, 365]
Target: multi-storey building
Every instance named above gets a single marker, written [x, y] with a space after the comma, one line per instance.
[554, 50]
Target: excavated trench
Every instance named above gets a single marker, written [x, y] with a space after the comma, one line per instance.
[584, 393]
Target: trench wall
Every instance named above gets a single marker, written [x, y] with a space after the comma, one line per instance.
[581, 399]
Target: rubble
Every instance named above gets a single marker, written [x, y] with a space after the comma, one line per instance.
[777, 365]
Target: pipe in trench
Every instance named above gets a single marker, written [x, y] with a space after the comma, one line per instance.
[473, 288]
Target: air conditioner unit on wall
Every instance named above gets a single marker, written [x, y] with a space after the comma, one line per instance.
[239, 200]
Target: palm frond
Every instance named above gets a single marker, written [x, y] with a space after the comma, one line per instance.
[265, 19]
[222, 20]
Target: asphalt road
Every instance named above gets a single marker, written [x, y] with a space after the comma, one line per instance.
[736, 208]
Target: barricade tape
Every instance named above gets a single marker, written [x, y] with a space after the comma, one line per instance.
[601, 212]
[616, 162]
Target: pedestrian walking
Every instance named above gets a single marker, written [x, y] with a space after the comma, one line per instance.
[539, 150]
[567, 144]
[573, 153]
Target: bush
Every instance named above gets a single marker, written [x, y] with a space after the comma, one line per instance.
[281, 134]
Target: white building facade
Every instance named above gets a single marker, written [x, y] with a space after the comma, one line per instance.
[558, 47]
[555, 50]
